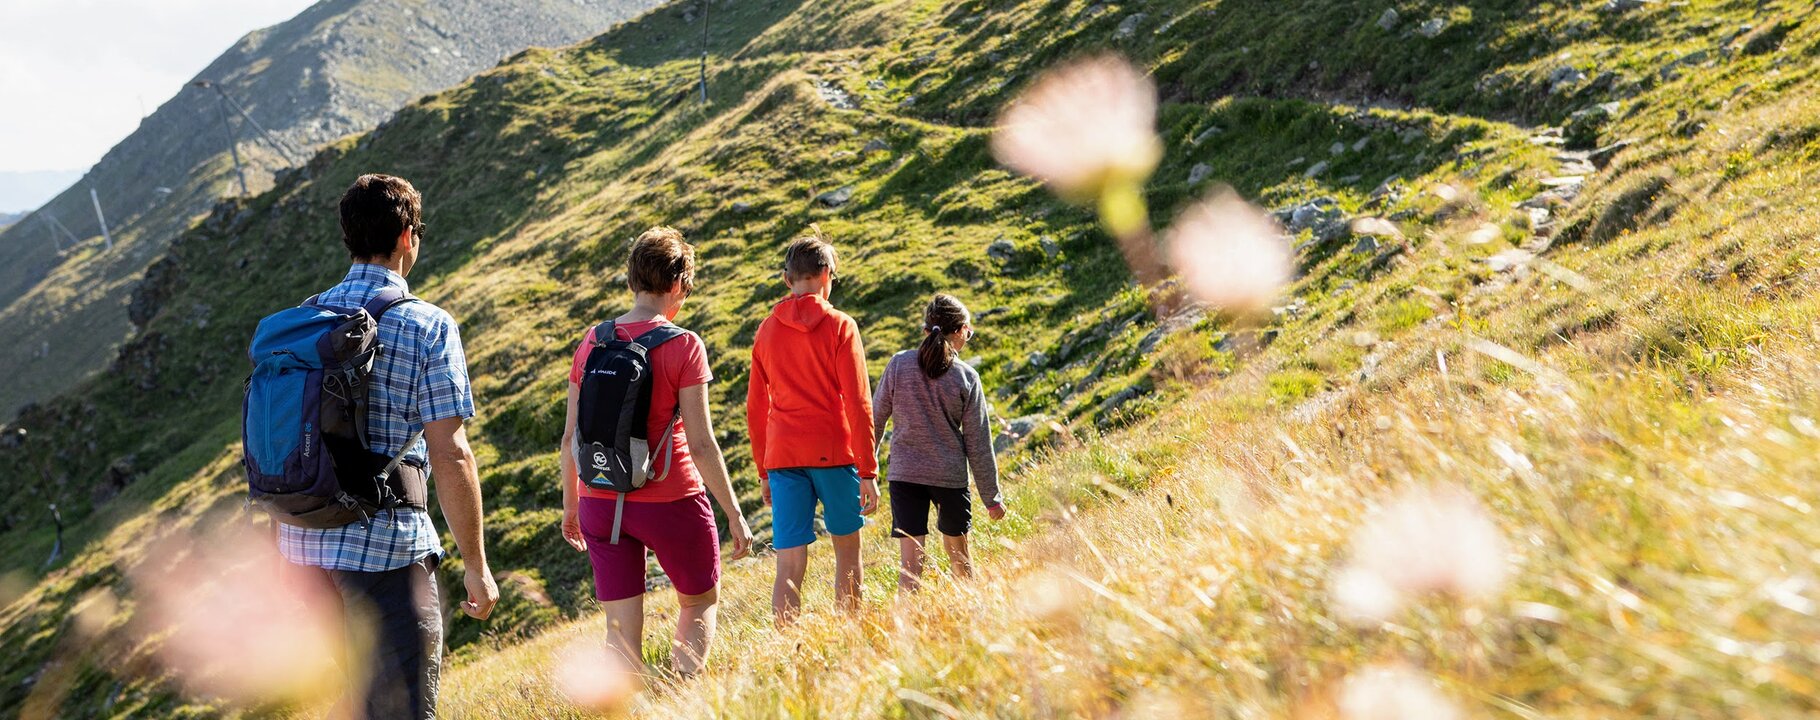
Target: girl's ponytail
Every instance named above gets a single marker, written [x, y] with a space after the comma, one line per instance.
[945, 315]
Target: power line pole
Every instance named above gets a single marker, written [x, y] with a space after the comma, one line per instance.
[233, 147]
[704, 51]
[52, 220]
[105, 236]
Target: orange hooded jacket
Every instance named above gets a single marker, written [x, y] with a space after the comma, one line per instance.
[808, 400]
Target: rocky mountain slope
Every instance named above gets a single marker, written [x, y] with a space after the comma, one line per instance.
[1554, 253]
[339, 67]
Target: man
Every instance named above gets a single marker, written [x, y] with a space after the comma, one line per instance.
[386, 565]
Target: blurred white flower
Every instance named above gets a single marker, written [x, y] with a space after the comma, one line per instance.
[1425, 541]
[594, 678]
[1229, 254]
[1394, 692]
[1376, 226]
[1082, 126]
[239, 622]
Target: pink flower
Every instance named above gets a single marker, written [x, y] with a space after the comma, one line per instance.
[1425, 541]
[1229, 254]
[1082, 126]
[594, 678]
[1394, 692]
[238, 621]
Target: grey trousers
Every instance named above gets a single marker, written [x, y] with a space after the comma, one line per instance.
[405, 662]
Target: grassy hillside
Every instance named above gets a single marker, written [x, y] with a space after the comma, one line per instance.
[337, 68]
[1619, 379]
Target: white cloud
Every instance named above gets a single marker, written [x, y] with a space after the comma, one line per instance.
[74, 73]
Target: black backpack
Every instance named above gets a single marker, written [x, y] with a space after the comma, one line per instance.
[613, 410]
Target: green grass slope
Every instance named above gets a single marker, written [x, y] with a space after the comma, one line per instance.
[1688, 285]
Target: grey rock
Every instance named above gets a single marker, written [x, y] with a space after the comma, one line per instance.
[1051, 249]
[741, 206]
[1312, 213]
[1602, 157]
[1207, 134]
[1129, 26]
[1036, 359]
[1338, 148]
[1366, 245]
[836, 96]
[1388, 21]
[1360, 145]
[876, 85]
[1432, 27]
[1016, 430]
[1181, 320]
[875, 145]
[1315, 170]
[836, 198]
[1622, 6]
[1199, 172]
[1001, 250]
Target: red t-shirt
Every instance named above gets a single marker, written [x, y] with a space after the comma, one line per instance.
[677, 364]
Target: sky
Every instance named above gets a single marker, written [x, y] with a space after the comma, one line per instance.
[77, 75]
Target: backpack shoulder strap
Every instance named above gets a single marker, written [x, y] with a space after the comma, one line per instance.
[659, 335]
[605, 333]
[386, 299]
[312, 301]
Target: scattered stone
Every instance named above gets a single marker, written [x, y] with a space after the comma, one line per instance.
[1564, 77]
[1199, 172]
[1338, 148]
[1051, 249]
[1360, 145]
[1315, 170]
[1602, 157]
[1622, 6]
[1183, 319]
[1016, 430]
[1509, 260]
[876, 85]
[1130, 25]
[1211, 131]
[875, 145]
[1350, 179]
[1564, 181]
[1432, 27]
[1036, 359]
[741, 206]
[833, 94]
[1538, 216]
[1366, 245]
[1310, 214]
[1297, 162]
[1001, 250]
[1388, 21]
[836, 198]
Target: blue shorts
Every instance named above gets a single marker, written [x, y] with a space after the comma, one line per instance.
[793, 495]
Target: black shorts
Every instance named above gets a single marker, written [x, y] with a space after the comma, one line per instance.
[910, 509]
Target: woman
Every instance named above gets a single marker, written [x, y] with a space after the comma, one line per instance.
[670, 513]
[941, 429]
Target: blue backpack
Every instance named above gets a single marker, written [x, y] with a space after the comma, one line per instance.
[307, 453]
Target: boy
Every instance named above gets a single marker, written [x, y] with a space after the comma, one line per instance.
[669, 515]
[809, 411]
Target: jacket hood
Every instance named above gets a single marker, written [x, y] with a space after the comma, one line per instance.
[802, 312]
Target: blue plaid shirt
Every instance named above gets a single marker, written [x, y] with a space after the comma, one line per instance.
[421, 377]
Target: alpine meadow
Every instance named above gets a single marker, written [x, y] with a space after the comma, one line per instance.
[1414, 359]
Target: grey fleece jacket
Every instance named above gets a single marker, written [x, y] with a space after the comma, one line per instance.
[941, 426]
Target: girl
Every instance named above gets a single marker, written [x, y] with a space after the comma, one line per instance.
[939, 411]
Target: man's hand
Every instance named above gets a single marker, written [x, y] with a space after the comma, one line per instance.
[868, 496]
[482, 593]
[997, 512]
[764, 488]
[571, 529]
[742, 538]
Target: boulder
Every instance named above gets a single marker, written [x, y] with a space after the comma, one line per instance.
[1432, 27]
[1129, 26]
[1199, 172]
[1315, 170]
[1016, 430]
[1388, 21]
[875, 145]
[1207, 134]
[1051, 249]
[1001, 250]
[836, 198]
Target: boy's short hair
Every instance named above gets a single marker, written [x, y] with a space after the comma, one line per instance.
[660, 259]
[808, 255]
[375, 210]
